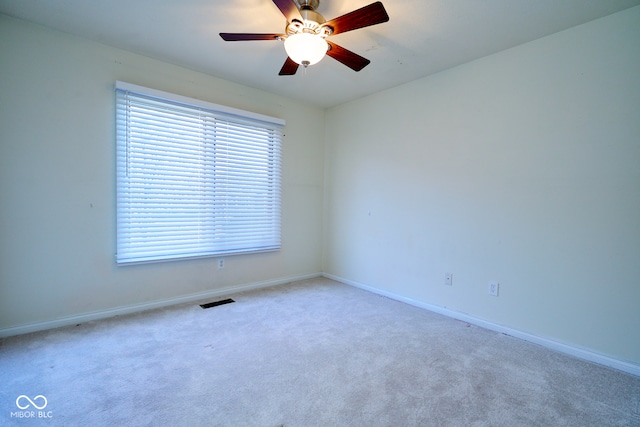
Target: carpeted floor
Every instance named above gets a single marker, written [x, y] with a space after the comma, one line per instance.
[313, 353]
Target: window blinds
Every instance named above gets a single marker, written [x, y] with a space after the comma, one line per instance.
[194, 179]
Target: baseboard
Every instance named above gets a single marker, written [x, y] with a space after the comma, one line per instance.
[135, 308]
[571, 350]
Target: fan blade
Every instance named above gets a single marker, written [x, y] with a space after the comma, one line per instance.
[348, 58]
[233, 37]
[363, 17]
[289, 68]
[289, 9]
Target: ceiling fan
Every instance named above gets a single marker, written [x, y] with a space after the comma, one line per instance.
[305, 37]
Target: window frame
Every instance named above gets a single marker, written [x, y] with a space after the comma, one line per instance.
[265, 132]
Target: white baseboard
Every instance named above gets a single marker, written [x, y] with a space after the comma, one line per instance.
[129, 309]
[571, 350]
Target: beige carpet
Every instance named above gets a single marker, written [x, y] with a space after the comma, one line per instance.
[314, 353]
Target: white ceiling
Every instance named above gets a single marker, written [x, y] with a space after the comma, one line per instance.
[421, 38]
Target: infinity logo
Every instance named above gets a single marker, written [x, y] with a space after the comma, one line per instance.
[31, 402]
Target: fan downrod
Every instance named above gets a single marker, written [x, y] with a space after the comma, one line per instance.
[308, 4]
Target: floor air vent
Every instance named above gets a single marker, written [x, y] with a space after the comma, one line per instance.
[217, 303]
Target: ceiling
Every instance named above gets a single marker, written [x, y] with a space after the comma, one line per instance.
[421, 38]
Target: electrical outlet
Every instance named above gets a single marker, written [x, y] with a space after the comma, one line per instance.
[493, 288]
[220, 263]
[448, 279]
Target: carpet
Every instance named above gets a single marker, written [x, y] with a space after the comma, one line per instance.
[311, 353]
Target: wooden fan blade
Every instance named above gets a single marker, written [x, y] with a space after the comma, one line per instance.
[233, 37]
[289, 68]
[348, 58]
[289, 9]
[363, 17]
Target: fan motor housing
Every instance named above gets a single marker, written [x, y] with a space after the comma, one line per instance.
[311, 23]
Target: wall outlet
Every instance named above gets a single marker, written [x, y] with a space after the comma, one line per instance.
[493, 288]
[448, 279]
[220, 263]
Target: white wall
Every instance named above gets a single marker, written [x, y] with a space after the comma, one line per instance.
[57, 181]
[522, 167]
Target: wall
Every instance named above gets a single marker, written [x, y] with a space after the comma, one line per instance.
[57, 182]
[522, 167]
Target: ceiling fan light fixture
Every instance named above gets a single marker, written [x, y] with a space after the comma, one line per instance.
[306, 48]
[306, 32]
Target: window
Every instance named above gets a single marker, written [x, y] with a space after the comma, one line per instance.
[194, 179]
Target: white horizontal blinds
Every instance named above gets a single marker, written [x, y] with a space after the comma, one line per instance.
[247, 179]
[193, 182]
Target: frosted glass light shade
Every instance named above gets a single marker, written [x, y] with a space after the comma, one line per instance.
[305, 49]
